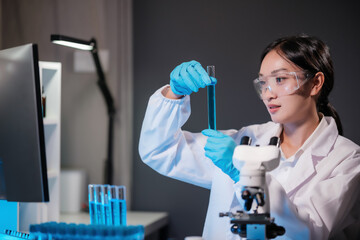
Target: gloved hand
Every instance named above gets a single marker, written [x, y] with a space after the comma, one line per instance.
[188, 77]
[220, 149]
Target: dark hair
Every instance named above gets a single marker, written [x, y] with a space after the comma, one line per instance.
[312, 55]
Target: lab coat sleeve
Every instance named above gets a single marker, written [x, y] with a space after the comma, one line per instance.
[330, 207]
[168, 149]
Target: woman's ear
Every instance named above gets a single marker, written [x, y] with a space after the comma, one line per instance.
[318, 82]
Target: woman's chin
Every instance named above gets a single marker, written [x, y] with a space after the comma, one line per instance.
[276, 119]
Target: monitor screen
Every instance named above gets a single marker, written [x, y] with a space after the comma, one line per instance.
[23, 173]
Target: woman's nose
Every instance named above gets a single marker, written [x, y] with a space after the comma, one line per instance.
[268, 93]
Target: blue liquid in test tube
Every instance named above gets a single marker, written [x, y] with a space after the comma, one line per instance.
[99, 213]
[211, 100]
[118, 205]
[118, 212]
[92, 212]
[108, 217]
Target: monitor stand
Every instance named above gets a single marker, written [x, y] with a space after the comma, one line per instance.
[9, 217]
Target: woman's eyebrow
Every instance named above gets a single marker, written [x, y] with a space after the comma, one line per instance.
[278, 70]
[275, 71]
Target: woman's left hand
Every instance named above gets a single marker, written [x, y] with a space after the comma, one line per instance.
[220, 149]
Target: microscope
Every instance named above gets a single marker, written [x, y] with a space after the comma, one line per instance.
[254, 221]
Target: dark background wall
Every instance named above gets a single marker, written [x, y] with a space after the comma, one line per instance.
[230, 35]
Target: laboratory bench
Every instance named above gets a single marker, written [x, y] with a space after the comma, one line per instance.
[155, 223]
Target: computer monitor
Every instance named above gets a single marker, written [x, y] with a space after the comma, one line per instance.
[23, 172]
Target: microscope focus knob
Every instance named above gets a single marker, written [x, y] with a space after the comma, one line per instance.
[246, 195]
[259, 198]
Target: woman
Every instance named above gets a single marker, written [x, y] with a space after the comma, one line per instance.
[314, 192]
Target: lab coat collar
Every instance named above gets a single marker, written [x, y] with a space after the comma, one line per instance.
[303, 169]
[317, 146]
[321, 140]
[325, 138]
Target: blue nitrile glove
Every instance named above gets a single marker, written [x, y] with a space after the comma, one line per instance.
[220, 149]
[188, 77]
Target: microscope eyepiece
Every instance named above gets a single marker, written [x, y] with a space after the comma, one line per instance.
[274, 141]
[245, 140]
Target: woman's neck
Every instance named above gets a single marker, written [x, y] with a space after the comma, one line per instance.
[294, 135]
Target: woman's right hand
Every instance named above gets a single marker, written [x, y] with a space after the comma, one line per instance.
[188, 77]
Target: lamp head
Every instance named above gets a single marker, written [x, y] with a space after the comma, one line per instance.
[73, 42]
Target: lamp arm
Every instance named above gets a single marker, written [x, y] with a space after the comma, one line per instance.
[101, 81]
[107, 95]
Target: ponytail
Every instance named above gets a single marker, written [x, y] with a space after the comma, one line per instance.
[328, 110]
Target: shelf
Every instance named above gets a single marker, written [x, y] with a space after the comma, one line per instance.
[51, 121]
[53, 173]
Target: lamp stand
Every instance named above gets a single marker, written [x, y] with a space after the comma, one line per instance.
[108, 169]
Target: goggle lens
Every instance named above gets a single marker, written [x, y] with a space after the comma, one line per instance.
[281, 83]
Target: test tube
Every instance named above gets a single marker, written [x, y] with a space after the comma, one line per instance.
[211, 100]
[99, 206]
[92, 209]
[118, 205]
[105, 200]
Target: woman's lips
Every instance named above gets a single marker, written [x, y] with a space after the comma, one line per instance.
[273, 108]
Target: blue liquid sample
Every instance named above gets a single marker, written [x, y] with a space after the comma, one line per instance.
[92, 211]
[118, 210]
[100, 213]
[211, 99]
[211, 106]
[108, 215]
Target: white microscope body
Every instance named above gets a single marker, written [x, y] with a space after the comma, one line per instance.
[253, 162]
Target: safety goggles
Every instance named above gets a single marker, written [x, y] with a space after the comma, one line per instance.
[280, 83]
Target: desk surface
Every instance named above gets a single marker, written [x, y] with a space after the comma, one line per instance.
[152, 221]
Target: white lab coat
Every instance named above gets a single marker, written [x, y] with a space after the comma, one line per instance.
[317, 198]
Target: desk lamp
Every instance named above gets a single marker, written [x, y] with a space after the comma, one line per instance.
[92, 47]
